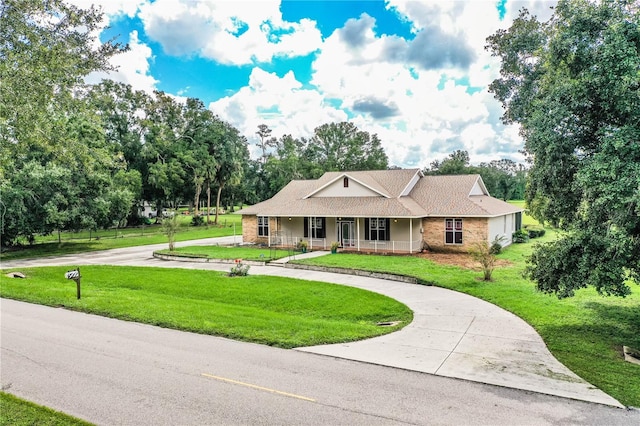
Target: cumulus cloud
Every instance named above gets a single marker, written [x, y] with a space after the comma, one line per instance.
[378, 109]
[434, 49]
[425, 95]
[132, 67]
[279, 102]
[356, 31]
[228, 32]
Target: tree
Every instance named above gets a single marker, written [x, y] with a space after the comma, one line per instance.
[230, 155]
[265, 141]
[503, 178]
[200, 139]
[286, 164]
[456, 164]
[46, 49]
[573, 86]
[55, 166]
[164, 124]
[342, 146]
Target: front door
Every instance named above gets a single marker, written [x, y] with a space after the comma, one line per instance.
[346, 231]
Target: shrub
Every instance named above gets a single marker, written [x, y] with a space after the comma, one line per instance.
[535, 232]
[481, 253]
[239, 270]
[197, 221]
[496, 245]
[520, 236]
[170, 227]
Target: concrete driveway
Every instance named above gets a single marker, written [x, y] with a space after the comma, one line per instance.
[452, 334]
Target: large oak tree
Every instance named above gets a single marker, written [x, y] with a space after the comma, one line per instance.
[573, 86]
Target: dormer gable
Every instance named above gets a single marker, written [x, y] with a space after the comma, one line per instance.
[478, 188]
[345, 185]
[407, 189]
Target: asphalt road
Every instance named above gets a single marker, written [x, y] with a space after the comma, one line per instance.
[114, 372]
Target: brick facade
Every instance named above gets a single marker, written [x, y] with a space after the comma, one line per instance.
[250, 229]
[473, 230]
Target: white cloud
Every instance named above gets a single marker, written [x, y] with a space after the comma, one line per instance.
[427, 119]
[279, 102]
[132, 67]
[234, 33]
[412, 93]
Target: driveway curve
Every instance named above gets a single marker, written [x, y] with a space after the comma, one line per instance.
[452, 334]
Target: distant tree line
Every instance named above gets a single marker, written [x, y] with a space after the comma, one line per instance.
[77, 156]
[504, 179]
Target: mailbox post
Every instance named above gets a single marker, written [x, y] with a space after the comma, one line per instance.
[74, 275]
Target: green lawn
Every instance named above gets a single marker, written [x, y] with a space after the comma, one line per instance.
[18, 412]
[275, 311]
[526, 219]
[48, 246]
[226, 252]
[586, 332]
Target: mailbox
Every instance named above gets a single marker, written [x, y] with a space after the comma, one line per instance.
[74, 275]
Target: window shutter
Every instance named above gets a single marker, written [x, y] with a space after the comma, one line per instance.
[306, 227]
[366, 229]
[387, 231]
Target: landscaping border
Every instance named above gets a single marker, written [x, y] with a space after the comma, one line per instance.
[195, 259]
[359, 272]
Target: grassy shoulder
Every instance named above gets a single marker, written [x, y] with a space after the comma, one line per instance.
[586, 332]
[274, 311]
[18, 412]
[77, 243]
[227, 252]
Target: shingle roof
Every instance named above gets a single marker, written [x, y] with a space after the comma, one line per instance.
[431, 196]
[391, 183]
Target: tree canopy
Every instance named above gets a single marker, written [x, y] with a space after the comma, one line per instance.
[573, 86]
[504, 179]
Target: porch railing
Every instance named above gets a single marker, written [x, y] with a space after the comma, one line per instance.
[392, 246]
[280, 239]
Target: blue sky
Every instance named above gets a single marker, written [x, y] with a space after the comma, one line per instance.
[413, 72]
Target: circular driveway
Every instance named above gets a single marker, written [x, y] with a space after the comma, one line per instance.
[452, 334]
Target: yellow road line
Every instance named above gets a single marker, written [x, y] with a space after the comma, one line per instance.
[249, 385]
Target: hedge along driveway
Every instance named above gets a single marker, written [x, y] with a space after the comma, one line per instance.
[275, 311]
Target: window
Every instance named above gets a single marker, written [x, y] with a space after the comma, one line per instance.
[317, 225]
[377, 229]
[345, 182]
[453, 231]
[518, 221]
[263, 226]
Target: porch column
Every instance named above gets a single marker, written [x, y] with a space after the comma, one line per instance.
[410, 235]
[358, 231]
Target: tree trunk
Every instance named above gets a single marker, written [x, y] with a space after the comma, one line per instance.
[218, 203]
[208, 203]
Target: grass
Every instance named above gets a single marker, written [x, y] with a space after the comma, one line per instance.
[275, 311]
[18, 412]
[226, 252]
[585, 332]
[49, 246]
[526, 219]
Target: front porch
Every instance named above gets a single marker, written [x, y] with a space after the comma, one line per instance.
[375, 235]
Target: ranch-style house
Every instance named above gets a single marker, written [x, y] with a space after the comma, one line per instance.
[399, 211]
